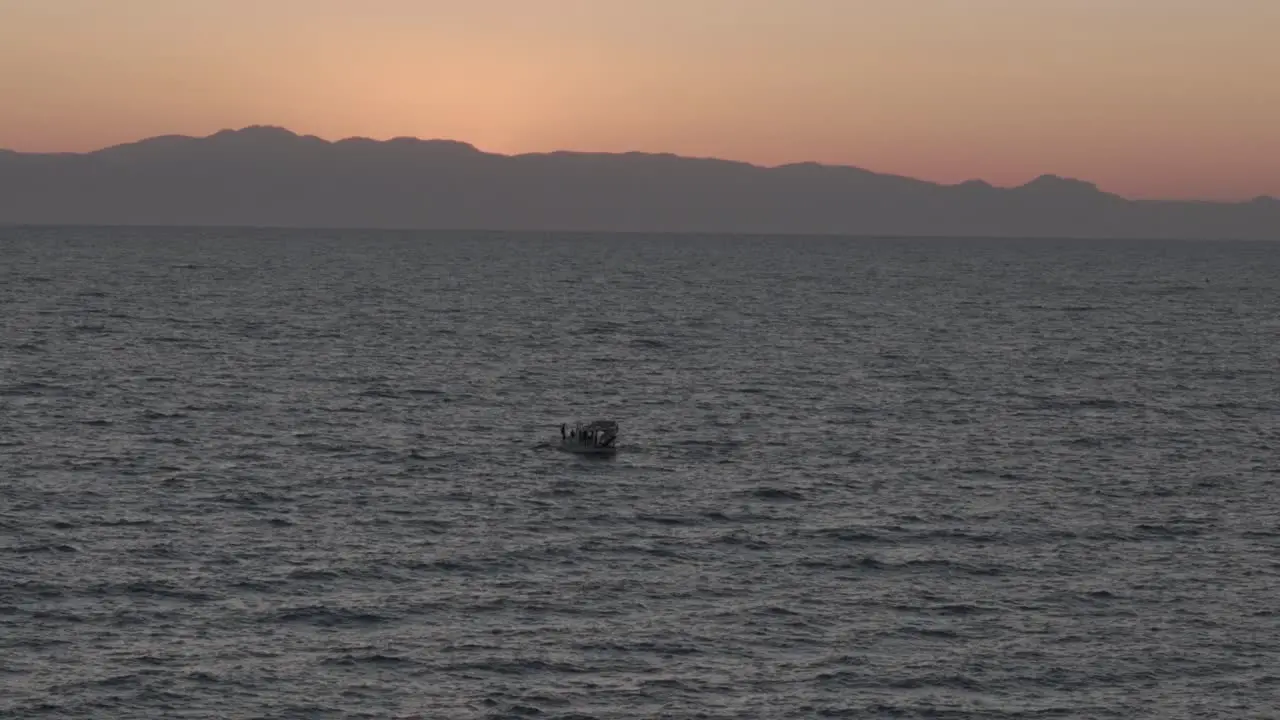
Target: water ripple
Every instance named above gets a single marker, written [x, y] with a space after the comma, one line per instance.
[310, 474]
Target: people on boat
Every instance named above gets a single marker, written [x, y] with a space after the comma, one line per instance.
[591, 437]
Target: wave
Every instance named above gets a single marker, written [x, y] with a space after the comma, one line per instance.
[323, 616]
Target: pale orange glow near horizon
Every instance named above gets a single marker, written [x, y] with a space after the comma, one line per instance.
[1147, 98]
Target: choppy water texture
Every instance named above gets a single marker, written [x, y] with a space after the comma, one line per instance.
[308, 474]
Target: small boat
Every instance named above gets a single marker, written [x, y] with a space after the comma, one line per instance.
[590, 438]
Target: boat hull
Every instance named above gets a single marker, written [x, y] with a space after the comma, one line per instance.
[583, 449]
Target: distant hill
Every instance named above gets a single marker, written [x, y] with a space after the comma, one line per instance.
[265, 176]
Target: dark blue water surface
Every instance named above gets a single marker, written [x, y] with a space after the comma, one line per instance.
[254, 473]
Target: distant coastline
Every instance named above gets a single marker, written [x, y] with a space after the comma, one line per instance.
[263, 176]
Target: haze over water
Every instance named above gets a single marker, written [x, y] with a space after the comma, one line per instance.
[309, 474]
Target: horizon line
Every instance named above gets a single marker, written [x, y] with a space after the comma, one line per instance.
[756, 234]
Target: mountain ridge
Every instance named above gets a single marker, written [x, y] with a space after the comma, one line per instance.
[263, 175]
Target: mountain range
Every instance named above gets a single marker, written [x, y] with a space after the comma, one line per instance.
[271, 177]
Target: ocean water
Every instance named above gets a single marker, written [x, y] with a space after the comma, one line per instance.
[292, 474]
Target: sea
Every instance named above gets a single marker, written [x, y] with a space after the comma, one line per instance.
[265, 473]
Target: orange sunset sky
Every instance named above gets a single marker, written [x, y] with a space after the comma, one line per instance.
[1147, 98]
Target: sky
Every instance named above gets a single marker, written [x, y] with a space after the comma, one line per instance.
[1146, 98]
